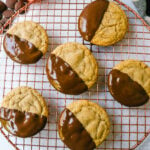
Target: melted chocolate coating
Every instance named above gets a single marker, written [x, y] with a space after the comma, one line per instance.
[91, 18]
[74, 134]
[21, 50]
[125, 90]
[61, 75]
[21, 124]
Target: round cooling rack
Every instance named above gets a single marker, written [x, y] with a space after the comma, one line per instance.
[129, 126]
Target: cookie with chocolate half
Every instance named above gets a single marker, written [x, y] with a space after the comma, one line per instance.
[26, 42]
[23, 112]
[83, 125]
[102, 23]
[71, 68]
[129, 83]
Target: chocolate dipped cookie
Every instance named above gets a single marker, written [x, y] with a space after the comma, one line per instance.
[129, 83]
[26, 42]
[72, 69]
[23, 112]
[102, 23]
[83, 125]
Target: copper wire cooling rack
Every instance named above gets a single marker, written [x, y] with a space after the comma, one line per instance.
[129, 126]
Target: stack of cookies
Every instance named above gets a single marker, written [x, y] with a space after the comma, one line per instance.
[72, 69]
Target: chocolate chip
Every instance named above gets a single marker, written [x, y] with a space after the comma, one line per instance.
[11, 3]
[8, 13]
[2, 6]
[19, 5]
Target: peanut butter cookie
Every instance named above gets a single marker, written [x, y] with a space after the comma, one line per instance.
[23, 112]
[129, 83]
[72, 69]
[103, 23]
[83, 125]
[26, 42]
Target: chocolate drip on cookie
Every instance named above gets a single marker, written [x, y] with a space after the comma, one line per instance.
[91, 18]
[74, 134]
[21, 124]
[63, 77]
[21, 50]
[125, 90]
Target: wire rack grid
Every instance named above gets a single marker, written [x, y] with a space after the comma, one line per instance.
[129, 126]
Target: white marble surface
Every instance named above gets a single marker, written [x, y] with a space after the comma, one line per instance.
[144, 146]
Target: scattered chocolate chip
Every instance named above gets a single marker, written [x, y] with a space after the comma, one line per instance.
[11, 3]
[8, 13]
[8, 10]
[2, 6]
[19, 5]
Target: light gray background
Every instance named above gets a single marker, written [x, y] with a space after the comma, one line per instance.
[144, 146]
